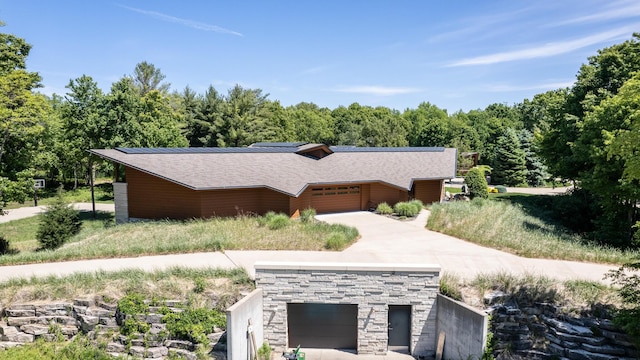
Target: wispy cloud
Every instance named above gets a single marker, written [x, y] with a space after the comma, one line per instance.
[185, 22]
[377, 90]
[545, 86]
[616, 10]
[313, 70]
[547, 50]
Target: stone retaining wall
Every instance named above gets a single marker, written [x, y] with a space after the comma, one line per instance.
[542, 331]
[62, 321]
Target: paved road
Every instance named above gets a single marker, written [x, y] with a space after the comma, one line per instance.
[383, 240]
[28, 211]
[457, 182]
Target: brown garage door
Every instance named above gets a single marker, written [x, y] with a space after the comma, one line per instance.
[335, 198]
[323, 326]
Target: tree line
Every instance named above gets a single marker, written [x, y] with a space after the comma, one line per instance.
[587, 133]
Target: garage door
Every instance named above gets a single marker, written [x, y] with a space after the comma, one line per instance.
[335, 198]
[323, 326]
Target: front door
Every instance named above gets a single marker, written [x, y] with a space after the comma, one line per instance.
[399, 328]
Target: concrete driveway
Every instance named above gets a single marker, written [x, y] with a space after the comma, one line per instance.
[383, 240]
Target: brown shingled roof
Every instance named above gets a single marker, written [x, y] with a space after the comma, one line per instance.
[286, 171]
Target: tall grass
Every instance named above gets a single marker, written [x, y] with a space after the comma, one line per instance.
[173, 283]
[169, 237]
[509, 228]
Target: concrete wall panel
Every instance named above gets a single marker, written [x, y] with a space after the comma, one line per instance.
[239, 342]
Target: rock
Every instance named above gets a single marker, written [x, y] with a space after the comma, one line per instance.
[180, 344]
[114, 347]
[8, 330]
[62, 320]
[81, 310]
[107, 321]
[567, 328]
[154, 318]
[69, 330]
[99, 312]
[20, 337]
[19, 321]
[184, 354]
[580, 354]
[84, 302]
[218, 355]
[494, 297]
[22, 307]
[20, 312]
[604, 349]
[88, 323]
[8, 344]
[35, 329]
[107, 306]
[59, 309]
[138, 351]
[157, 352]
[156, 329]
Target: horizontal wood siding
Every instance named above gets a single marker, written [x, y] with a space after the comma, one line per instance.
[273, 201]
[428, 191]
[243, 201]
[380, 193]
[150, 197]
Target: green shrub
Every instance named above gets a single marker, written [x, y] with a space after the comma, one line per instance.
[308, 215]
[264, 352]
[278, 221]
[4, 246]
[336, 241]
[129, 307]
[384, 209]
[199, 285]
[57, 224]
[194, 324]
[417, 204]
[476, 183]
[406, 209]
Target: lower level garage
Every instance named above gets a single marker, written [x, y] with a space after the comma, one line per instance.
[324, 326]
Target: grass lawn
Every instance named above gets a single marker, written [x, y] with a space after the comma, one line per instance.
[99, 238]
[103, 193]
[515, 225]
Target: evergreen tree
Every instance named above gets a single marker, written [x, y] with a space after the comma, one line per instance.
[509, 163]
[477, 183]
[536, 171]
[58, 224]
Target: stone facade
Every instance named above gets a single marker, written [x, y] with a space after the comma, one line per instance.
[372, 287]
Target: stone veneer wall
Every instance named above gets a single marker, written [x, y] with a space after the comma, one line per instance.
[373, 287]
[121, 201]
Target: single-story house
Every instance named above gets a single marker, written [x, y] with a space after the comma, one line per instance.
[182, 183]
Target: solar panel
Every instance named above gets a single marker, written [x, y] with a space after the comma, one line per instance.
[205, 150]
[385, 149]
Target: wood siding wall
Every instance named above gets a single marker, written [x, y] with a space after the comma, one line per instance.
[380, 193]
[242, 201]
[151, 197]
[428, 191]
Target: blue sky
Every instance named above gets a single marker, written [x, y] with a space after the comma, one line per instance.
[458, 55]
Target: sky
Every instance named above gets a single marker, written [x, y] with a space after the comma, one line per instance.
[457, 55]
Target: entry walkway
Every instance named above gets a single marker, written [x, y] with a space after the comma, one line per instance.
[330, 354]
[383, 240]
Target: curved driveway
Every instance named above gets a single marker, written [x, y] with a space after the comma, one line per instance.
[383, 240]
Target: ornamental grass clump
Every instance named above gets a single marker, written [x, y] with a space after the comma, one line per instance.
[308, 215]
[384, 209]
[407, 209]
